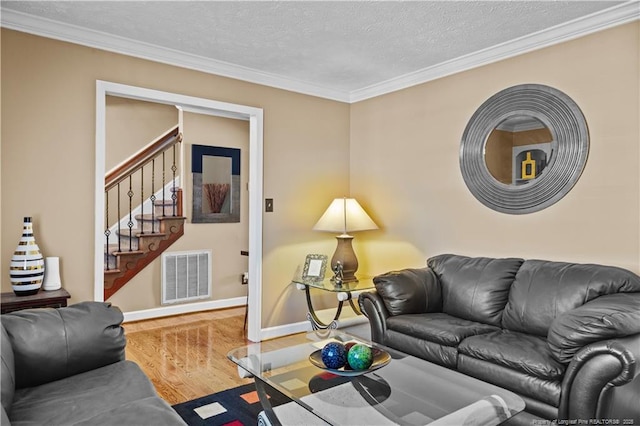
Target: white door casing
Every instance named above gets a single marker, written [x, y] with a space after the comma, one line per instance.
[200, 106]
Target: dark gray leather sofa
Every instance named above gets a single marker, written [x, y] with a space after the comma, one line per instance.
[66, 367]
[564, 336]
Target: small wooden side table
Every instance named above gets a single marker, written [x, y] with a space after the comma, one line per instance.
[9, 302]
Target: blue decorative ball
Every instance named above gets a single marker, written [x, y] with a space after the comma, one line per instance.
[334, 355]
[360, 357]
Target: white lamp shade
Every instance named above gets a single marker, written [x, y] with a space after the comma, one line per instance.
[345, 215]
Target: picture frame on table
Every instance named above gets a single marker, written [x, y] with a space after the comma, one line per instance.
[315, 266]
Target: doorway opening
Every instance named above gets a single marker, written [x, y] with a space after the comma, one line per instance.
[199, 106]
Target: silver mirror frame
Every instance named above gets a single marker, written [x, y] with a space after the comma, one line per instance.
[567, 124]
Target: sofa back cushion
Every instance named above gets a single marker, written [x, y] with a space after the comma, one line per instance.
[50, 344]
[544, 290]
[7, 371]
[476, 289]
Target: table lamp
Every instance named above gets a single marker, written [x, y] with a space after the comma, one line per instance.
[345, 215]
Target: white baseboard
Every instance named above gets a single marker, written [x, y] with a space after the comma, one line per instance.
[186, 308]
[285, 330]
[305, 326]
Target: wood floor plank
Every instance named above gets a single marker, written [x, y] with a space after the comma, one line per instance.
[185, 356]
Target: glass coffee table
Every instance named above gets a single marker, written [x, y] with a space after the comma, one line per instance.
[405, 391]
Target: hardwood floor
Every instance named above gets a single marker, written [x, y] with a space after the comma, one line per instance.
[185, 356]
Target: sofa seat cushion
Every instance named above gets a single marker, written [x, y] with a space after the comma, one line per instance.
[91, 397]
[423, 349]
[440, 328]
[522, 352]
[545, 393]
[145, 411]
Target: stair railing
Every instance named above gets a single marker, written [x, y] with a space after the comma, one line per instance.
[123, 175]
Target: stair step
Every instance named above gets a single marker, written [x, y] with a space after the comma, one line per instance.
[148, 217]
[137, 233]
[128, 253]
[127, 244]
[109, 259]
[125, 264]
[165, 209]
[148, 222]
[112, 254]
[167, 201]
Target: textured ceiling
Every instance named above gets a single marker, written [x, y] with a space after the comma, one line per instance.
[343, 46]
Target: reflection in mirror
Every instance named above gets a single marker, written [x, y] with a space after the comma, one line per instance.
[518, 150]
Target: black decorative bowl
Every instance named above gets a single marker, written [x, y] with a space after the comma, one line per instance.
[380, 359]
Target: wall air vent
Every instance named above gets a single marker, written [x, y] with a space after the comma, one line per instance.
[186, 276]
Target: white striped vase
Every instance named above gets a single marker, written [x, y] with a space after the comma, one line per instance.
[27, 263]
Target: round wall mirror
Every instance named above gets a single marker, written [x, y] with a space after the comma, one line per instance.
[524, 149]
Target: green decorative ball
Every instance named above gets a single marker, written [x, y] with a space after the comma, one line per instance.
[360, 357]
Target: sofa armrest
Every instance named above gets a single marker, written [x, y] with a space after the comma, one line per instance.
[593, 373]
[606, 317]
[410, 291]
[50, 344]
[373, 308]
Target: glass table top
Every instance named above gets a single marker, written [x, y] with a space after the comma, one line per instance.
[363, 283]
[407, 391]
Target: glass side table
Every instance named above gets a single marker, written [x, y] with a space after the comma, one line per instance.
[344, 292]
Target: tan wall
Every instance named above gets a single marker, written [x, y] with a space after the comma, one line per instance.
[405, 162]
[48, 120]
[398, 154]
[132, 124]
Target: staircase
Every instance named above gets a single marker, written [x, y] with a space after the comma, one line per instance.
[135, 245]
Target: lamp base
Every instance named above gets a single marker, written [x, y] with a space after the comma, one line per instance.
[346, 256]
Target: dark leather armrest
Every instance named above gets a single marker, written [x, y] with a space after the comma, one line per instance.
[373, 308]
[588, 387]
[50, 344]
[606, 317]
[410, 291]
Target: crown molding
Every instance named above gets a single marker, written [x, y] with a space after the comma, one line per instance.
[44, 27]
[614, 16]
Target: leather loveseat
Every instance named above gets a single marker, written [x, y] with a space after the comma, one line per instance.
[563, 336]
[66, 367]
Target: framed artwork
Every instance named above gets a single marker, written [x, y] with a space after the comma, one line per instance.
[216, 184]
[315, 266]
